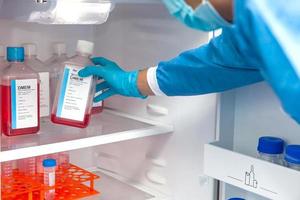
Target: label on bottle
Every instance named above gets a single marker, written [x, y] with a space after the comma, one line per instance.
[44, 94]
[74, 94]
[24, 103]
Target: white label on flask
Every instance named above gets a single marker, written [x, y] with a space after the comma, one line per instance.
[74, 94]
[44, 94]
[51, 179]
[24, 103]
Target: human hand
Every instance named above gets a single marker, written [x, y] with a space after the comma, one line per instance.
[116, 80]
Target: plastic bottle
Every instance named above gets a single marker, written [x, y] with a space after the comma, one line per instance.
[49, 177]
[74, 96]
[27, 166]
[3, 62]
[19, 95]
[59, 54]
[32, 61]
[292, 156]
[271, 149]
[55, 66]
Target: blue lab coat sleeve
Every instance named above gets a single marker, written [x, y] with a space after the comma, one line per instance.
[218, 66]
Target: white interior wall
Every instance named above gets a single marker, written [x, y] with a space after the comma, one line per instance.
[257, 113]
[16, 33]
[139, 36]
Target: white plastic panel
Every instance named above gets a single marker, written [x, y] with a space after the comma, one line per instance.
[107, 127]
[114, 189]
[251, 174]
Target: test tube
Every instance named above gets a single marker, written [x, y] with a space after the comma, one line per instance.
[49, 177]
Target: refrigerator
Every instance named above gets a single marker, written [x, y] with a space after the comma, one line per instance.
[160, 148]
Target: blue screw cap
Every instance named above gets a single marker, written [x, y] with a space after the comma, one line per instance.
[15, 54]
[236, 199]
[49, 163]
[292, 154]
[270, 145]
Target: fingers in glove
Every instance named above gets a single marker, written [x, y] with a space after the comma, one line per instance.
[92, 70]
[102, 86]
[108, 93]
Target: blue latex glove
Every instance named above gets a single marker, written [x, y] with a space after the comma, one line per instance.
[116, 80]
[204, 17]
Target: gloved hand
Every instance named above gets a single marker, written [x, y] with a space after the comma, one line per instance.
[116, 80]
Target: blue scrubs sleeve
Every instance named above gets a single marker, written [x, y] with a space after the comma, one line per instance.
[215, 67]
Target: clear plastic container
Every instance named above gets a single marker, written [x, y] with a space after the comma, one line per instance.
[3, 62]
[74, 96]
[7, 169]
[32, 61]
[59, 54]
[292, 156]
[271, 149]
[27, 166]
[55, 66]
[64, 160]
[49, 177]
[19, 96]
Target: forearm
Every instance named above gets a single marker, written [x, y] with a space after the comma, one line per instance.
[206, 69]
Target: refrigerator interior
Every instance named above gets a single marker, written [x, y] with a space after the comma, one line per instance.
[142, 149]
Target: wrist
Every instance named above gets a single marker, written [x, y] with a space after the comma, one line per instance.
[142, 83]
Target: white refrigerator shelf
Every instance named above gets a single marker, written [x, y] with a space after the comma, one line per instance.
[107, 127]
[251, 174]
[110, 182]
[107, 186]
